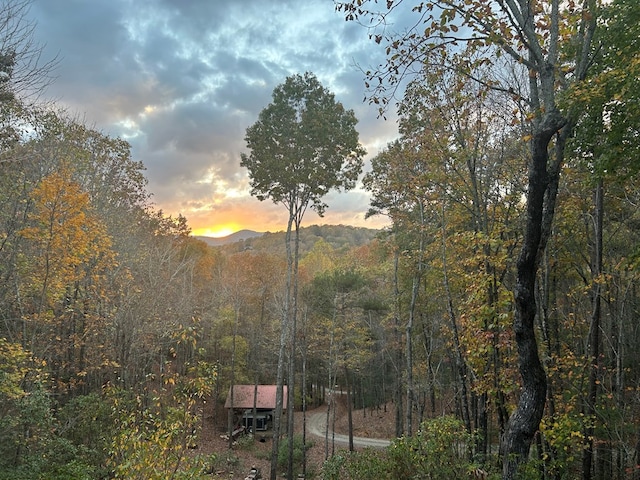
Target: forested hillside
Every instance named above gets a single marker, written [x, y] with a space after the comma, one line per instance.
[499, 308]
[233, 238]
[339, 237]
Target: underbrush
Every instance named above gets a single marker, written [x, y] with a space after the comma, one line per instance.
[438, 450]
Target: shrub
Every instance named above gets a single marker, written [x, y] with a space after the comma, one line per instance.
[245, 442]
[369, 463]
[437, 450]
[298, 453]
[153, 443]
[334, 468]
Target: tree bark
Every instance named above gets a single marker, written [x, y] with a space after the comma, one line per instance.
[397, 339]
[541, 197]
[349, 408]
[460, 362]
[594, 329]
[304, 398]
[284, 327]
[230, 417]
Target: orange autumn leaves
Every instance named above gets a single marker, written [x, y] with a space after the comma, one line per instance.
[65, 252]
[66, 239]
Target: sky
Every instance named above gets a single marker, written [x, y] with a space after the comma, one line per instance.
[181, 80]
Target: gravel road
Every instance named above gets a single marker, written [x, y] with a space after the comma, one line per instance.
[316, 423]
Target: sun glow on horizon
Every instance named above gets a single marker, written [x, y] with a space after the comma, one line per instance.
[215, 232]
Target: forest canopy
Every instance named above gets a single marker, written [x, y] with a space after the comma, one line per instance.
[497, 311]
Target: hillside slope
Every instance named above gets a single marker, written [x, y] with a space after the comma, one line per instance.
[240, 236]
[338, 236]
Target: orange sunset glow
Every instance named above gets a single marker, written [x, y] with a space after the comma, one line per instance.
[216, 231]
[245, 215]
[241, 213]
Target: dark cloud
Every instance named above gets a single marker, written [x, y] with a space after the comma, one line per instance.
[181, 80]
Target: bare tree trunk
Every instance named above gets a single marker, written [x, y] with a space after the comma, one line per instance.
[594, 330]
[349, 408]
[397, 339]
[284, 330]
[460, 364]
[304, 400]
[326, 424]
[292, 357]
[618, 365]
[431, 374]
[232, 380]
[291, 399]
[541, 198]
[550, 338]
[415, 290]
[332, 393]
[277, 414]
[333, 426]
[255, 408]
[409, 373]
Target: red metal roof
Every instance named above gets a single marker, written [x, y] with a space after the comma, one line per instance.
[266, 399]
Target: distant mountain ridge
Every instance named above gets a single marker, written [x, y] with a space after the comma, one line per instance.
[233, 238]
[337, 236]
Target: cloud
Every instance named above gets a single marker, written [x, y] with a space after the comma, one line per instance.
[181, 80]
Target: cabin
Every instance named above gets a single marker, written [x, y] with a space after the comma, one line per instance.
[244, 398]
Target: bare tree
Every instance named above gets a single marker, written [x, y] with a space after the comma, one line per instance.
[24, 75]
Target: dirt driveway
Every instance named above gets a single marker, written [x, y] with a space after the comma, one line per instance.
[316, 425]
